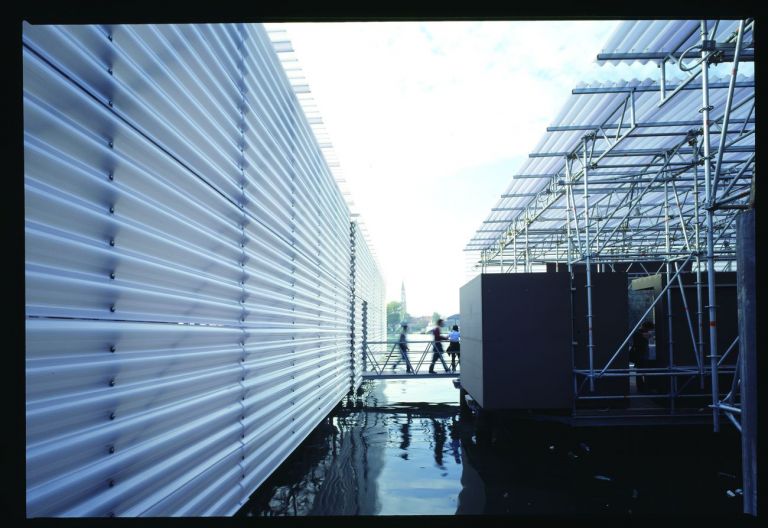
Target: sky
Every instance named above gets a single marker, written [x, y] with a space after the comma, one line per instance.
[429, 121]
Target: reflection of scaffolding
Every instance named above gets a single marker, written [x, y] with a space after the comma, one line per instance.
[645, 171]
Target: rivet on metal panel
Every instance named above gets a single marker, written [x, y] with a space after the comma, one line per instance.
[112, 275]
[112, 382]
[112, 348]
[111, 144]
[111, 483]
[110, 103]
[112, 209]
[112, 308]
[111, 416]
[242, 436]
[242, 379]
[111, 176]
[111, 449]
[111, 241]
[109, 71]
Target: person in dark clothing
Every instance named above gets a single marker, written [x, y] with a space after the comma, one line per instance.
[403, 345]
[437, 346]
[638, 353]
[454, 346]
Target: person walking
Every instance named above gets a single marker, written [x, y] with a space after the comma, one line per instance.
[454, 346]
[437, 346]
[402, 343]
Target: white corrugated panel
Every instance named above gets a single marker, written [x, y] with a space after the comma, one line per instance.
[660, 36]
[187, 270]
[370, 308]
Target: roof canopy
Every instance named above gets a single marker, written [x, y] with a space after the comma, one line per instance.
[638, 148]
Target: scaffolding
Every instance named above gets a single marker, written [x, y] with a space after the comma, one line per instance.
[638, 171]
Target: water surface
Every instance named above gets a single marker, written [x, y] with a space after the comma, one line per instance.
[401, 447]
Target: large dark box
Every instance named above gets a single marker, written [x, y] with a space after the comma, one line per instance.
[516, 341]
[610, 326]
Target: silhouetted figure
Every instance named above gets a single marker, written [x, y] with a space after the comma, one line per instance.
[437, 346]
[454, 346]
[639, 353]
[405, 437]
[438, 429]
[403, 345]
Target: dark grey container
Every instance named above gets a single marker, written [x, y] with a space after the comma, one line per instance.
[516, 341]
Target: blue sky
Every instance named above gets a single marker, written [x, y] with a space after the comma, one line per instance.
[429, 120]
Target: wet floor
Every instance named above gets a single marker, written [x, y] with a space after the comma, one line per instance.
[403, 448]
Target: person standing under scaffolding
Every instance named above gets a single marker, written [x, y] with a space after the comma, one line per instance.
[402, 343]
[454, 346]
[437, 346]
[639, 354]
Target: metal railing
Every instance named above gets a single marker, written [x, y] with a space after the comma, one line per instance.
[380, 355]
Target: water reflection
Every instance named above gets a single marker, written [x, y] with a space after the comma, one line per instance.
[397, 449]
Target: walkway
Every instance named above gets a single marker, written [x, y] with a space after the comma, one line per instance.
[382, 360]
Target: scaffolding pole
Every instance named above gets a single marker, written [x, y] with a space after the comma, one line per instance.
[590, 337]
[514, 251]
[710, 235]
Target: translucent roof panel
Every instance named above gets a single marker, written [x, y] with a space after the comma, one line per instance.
[652, 40]
[659, 129]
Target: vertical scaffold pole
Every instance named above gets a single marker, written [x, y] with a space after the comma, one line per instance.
[527, 268]
[697, 247]
[501, 257]
[668, 274]
[712, 308]
[567, 227]
[514, 251]
[590, 342]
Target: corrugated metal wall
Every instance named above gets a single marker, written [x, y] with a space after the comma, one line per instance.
[369, 315]
[188, 288]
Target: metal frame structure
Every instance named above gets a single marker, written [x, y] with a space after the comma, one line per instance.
[380, 355]
[638, 171]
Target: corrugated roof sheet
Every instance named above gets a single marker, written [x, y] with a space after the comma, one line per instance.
[660, 36]
[594, 109]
